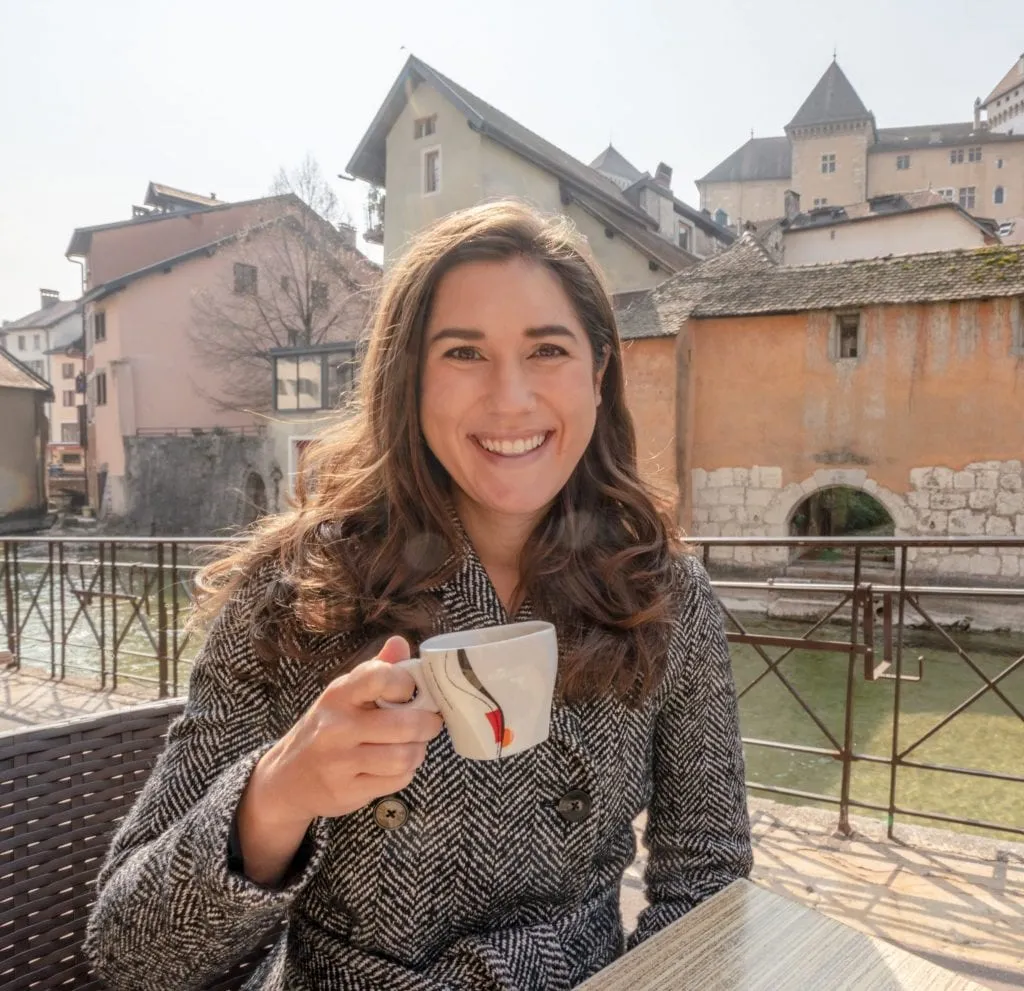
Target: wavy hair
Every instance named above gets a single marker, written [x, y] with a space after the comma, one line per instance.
[371, 534]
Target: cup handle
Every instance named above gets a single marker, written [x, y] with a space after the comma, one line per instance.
[423, 699]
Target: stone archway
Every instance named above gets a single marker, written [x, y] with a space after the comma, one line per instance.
[254, 498]
[840, 511]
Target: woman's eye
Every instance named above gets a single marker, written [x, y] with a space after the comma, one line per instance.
[550, 351]
[463, 353]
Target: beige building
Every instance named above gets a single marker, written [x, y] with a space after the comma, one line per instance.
[174, 345]
[23, 398]
[435, 147]
[876, 228]
[833, 154]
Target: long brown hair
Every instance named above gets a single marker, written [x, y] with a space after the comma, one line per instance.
[370, 534]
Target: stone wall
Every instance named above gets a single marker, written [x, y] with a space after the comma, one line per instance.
[196, 485]
[985, 498]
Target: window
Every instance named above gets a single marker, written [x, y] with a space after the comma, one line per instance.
[902, 163]
[721, 218]
[967, 196]
[67, 370]
[998, 195]
[947, 194]
[72, 458]
[846, 337]
[318, 295]
[69, 397]
[999, 163]
[69, 433]
[820, 201]
[828, 164]
[431, 171]
[35, 342]
[956, 156]
[101, 388]
[21, 342]
[245, 279]
[99, 327]
[974, 154]
[423, 127]
[684, 236]
[37, 367]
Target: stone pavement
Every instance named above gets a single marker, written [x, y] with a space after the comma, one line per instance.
[957, 900]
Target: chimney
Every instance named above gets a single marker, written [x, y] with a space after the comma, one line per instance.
[348, 235]
[48, 298]
[792, 203]
[977, 113]
[663, 175]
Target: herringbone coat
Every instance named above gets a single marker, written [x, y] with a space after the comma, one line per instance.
[485, 887]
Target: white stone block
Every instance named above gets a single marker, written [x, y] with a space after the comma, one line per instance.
[1011, 482]
[1010, 566]
[965, 523]
[1018, 526]
[775, 516]
[757, 531]
[948, 500]
[744, 555]
[742, 515]
[721, 555]
[701, 515]
[871, 486]
[698, 478]
[941, 478]
[935, 524]
[723, 514]
[740, 476]
[920, 477]
[733, 496]
[731, 530]
[997, 526]
[1010, 503]
[759, 497]
[720, 477]
[1014, 467]
[988, 480]
[710, 530]
[985, 567]
[957, 564]
[769, 478]
[964, 481]
[769, 556]
[983, 466]
[919, 500]
[981, 499]
[854, 477]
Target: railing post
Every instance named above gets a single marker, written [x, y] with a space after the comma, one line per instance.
[10, 620]
[851, 668]
[161, 619]
[895, 758]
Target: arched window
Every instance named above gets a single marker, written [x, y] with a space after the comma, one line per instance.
[997, 195]
[721, 217]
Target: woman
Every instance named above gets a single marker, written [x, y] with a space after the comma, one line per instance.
[489, 474]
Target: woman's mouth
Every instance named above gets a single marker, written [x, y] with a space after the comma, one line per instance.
[518, 447]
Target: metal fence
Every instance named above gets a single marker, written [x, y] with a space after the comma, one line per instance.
[113, 610]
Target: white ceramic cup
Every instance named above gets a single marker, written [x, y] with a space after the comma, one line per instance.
[492, 686]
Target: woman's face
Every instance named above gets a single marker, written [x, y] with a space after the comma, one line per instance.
[509, 391]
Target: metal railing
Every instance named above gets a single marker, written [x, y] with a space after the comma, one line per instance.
[114, 610]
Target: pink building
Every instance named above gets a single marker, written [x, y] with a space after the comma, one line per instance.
[168, 288]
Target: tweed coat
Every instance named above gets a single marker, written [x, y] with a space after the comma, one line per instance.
[488, 885]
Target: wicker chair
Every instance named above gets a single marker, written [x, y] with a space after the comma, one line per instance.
[63, 790]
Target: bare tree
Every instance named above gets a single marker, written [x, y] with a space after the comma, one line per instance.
[296, 280]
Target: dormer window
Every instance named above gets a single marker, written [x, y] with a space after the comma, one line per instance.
[423, 127]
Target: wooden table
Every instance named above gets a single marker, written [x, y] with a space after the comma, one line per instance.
[748, 939]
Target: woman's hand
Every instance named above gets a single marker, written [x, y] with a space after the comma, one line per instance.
[343, 753]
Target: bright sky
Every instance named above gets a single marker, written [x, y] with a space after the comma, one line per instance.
[98, 98]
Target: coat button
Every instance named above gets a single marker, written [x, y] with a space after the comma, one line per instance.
[574, 806]
[391, 813]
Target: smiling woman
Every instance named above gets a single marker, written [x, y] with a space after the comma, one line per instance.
[488, 475]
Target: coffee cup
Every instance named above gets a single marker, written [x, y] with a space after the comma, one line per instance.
[493, 686]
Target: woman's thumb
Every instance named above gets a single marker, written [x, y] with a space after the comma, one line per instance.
[394, 649]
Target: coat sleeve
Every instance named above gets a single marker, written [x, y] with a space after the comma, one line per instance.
[698, 829]
[170, 913]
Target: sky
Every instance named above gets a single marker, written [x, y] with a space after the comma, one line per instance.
[97, 99]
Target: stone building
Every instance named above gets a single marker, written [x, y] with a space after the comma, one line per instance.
[834, 154]
[898, 377]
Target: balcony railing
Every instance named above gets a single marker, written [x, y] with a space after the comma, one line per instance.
[861, 688]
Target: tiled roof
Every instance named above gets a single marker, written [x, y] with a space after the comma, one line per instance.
[16, 375]
[942, 276]
[890, 139]
[612, 161]
[833, 99]
[758, 159]
[46, 317]
[1015, 77]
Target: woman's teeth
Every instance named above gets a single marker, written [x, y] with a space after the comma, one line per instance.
[512, 447]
